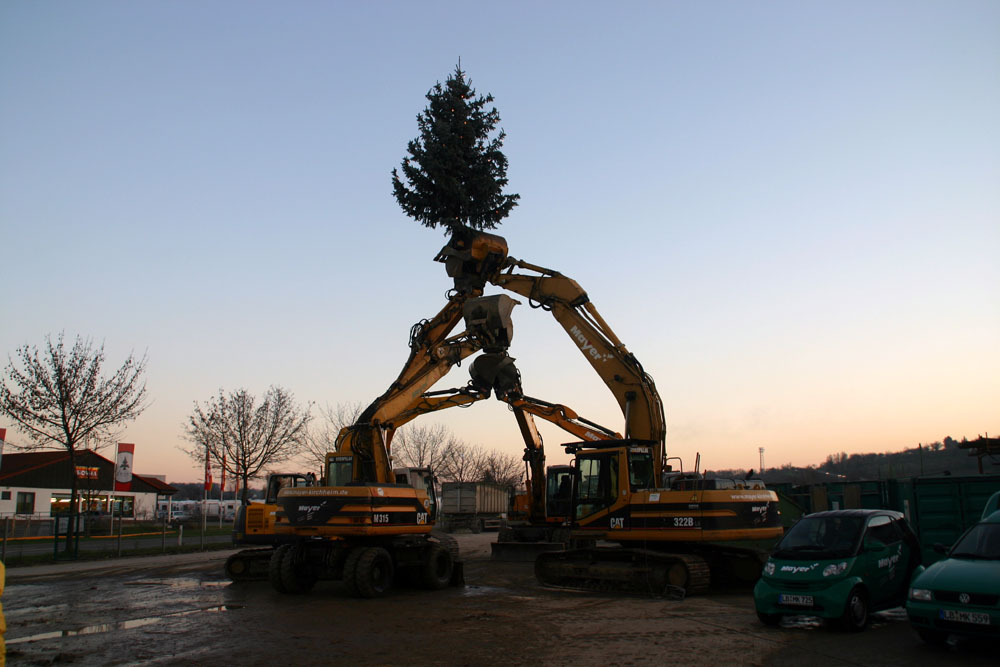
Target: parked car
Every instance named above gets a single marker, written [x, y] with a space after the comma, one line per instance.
[960, 594]
[839, 565]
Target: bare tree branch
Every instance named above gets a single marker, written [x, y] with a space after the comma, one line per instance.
[246, 436]
[59, 397]
[323, 438]
[421, 446]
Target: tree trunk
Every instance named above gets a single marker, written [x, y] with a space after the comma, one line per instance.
[72, 499]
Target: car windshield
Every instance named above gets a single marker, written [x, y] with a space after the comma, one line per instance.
[816, 537]
[982, 541]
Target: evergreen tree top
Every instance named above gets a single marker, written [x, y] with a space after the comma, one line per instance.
[455, 172]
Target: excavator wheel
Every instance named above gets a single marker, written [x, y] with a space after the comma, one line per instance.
[274, 568]
[351, 570]
[296, 574]
[249, 565]
[236, 567]
[436, 568]
[374, 573]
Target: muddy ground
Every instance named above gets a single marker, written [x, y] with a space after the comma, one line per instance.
[180, 610]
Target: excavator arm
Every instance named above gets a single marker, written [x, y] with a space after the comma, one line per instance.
[569, 304]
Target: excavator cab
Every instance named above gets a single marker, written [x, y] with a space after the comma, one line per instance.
[339, 469]
[606, 471]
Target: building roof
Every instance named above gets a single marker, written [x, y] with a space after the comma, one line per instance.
[51, 470]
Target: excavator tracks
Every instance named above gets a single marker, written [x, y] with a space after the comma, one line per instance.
[624, 570]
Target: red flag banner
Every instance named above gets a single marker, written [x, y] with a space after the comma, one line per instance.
[123, 466]
[208, 471]
[222, 475]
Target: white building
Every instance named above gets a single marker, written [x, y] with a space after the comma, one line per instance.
[38, 484]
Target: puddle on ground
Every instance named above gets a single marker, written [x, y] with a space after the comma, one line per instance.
[891, 615]
[181, 582]
[803, 622]
[121, 625]
[475, 591]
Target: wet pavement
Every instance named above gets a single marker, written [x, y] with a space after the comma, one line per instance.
[179, 610]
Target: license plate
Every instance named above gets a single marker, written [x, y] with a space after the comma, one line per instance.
[965, 617]
[796, 600]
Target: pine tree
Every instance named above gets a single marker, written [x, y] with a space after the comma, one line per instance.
[455, 172]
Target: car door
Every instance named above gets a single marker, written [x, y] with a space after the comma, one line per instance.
[886, 558]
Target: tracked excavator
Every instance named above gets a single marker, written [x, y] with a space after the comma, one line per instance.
[672, 530]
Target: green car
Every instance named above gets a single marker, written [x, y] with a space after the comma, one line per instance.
[959, 595]
[839, 565]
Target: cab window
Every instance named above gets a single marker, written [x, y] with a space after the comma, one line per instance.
[340, 470]
[881, 530]
[640, 470]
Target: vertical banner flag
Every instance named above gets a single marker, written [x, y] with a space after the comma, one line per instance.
[123, 467]
[208, 471]
[3, 436]
[222, 475]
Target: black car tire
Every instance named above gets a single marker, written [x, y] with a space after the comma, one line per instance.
[935, 637]
[857, 611]
[771, 620]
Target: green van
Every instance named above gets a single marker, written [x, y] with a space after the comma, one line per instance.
[960, 595]
[839, 565]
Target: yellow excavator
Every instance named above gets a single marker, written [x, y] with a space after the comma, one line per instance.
[672, 529]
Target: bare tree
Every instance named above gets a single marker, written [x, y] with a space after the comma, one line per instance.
[58, 396]
[246, 436]
[502, 469]
[421, 446]
[323, 439]
[460, 462]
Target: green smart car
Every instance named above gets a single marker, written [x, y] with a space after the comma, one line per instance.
[961, 594]
[839, 565]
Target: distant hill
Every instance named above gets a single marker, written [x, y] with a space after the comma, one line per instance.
[946, 457]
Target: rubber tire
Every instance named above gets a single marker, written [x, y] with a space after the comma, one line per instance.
[236, 567]
[351, 570]
[436, 568]
[296, 575]
[857, 612]
[933, 637]
[274, 568]
[374, 573]
[770, 620]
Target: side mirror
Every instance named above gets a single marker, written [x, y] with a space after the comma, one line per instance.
[940, 548]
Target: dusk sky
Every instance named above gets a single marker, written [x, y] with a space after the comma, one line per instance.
[789, 211]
